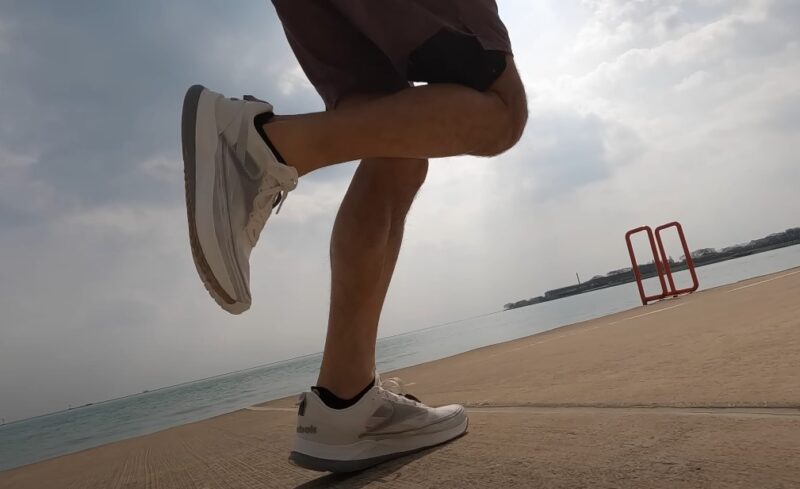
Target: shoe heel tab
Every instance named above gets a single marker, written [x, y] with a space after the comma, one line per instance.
[312, 396]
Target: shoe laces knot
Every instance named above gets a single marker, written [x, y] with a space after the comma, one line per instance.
[272, 193]
[395, 385]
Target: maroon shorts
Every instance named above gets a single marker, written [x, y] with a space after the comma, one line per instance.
[350, 47]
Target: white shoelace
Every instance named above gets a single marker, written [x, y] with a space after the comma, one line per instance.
[396, 387]
[262, 206]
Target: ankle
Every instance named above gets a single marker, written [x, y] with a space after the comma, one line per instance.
[345, 386]
[281, 133]
[335, 402]
[261, 122]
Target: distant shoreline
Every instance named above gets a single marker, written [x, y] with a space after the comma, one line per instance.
[701, 258]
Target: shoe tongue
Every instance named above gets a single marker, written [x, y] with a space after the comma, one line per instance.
[250, 98]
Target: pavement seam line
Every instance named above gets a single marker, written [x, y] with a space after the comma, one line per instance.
[764, 281]
[648, 313]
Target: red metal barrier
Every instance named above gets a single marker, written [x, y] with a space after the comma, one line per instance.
[689, 262]
[661, 263]
[635, 265]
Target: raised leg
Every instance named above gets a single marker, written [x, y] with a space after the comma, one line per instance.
[422, 122]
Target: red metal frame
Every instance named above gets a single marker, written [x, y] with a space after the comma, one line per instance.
[661, 262]
[635, 265]
[689, 262]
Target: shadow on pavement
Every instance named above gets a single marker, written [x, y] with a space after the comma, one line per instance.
[361, 479]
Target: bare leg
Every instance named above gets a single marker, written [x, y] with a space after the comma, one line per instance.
[394, 135]
[422, 122]
[364, 247]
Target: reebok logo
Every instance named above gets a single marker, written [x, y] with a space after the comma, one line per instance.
[307, 430]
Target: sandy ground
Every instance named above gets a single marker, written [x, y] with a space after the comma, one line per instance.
[701, 391]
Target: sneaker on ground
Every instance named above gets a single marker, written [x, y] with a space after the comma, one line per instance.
[233, 181]
[381, 426]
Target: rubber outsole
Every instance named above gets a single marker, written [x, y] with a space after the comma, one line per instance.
[346, 466]
[188, 139]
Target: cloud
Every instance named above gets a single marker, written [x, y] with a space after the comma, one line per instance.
[13, 161]
[294, 80]
[23, 197]
[692, 81]
[562, 152]
[162, 168]
[84, 87]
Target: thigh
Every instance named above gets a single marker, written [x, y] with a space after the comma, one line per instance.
[396, 178]
[338, 59]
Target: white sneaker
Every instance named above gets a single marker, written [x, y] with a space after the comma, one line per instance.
[233, 180]
[381, 426]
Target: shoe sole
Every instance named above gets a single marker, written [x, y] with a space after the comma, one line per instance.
[189, 139]
[345, 466]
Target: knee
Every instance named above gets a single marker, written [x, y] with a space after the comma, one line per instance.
[512, 103]
[509, 131]
[518, 119]
[410, 175]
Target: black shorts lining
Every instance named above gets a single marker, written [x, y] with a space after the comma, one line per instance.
[454, 57]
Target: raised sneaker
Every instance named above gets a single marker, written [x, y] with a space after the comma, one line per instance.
[233, 181]
[381, 426]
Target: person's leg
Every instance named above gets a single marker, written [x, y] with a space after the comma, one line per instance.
[394, 135]
[364, 248]
[422, 122]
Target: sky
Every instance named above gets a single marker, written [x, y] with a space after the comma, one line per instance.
[641, 112]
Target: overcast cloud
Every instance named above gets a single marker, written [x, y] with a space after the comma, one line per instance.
[641, 112]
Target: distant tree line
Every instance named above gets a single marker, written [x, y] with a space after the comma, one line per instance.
[701, 257]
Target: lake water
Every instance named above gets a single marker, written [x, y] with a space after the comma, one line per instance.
[65, 432]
